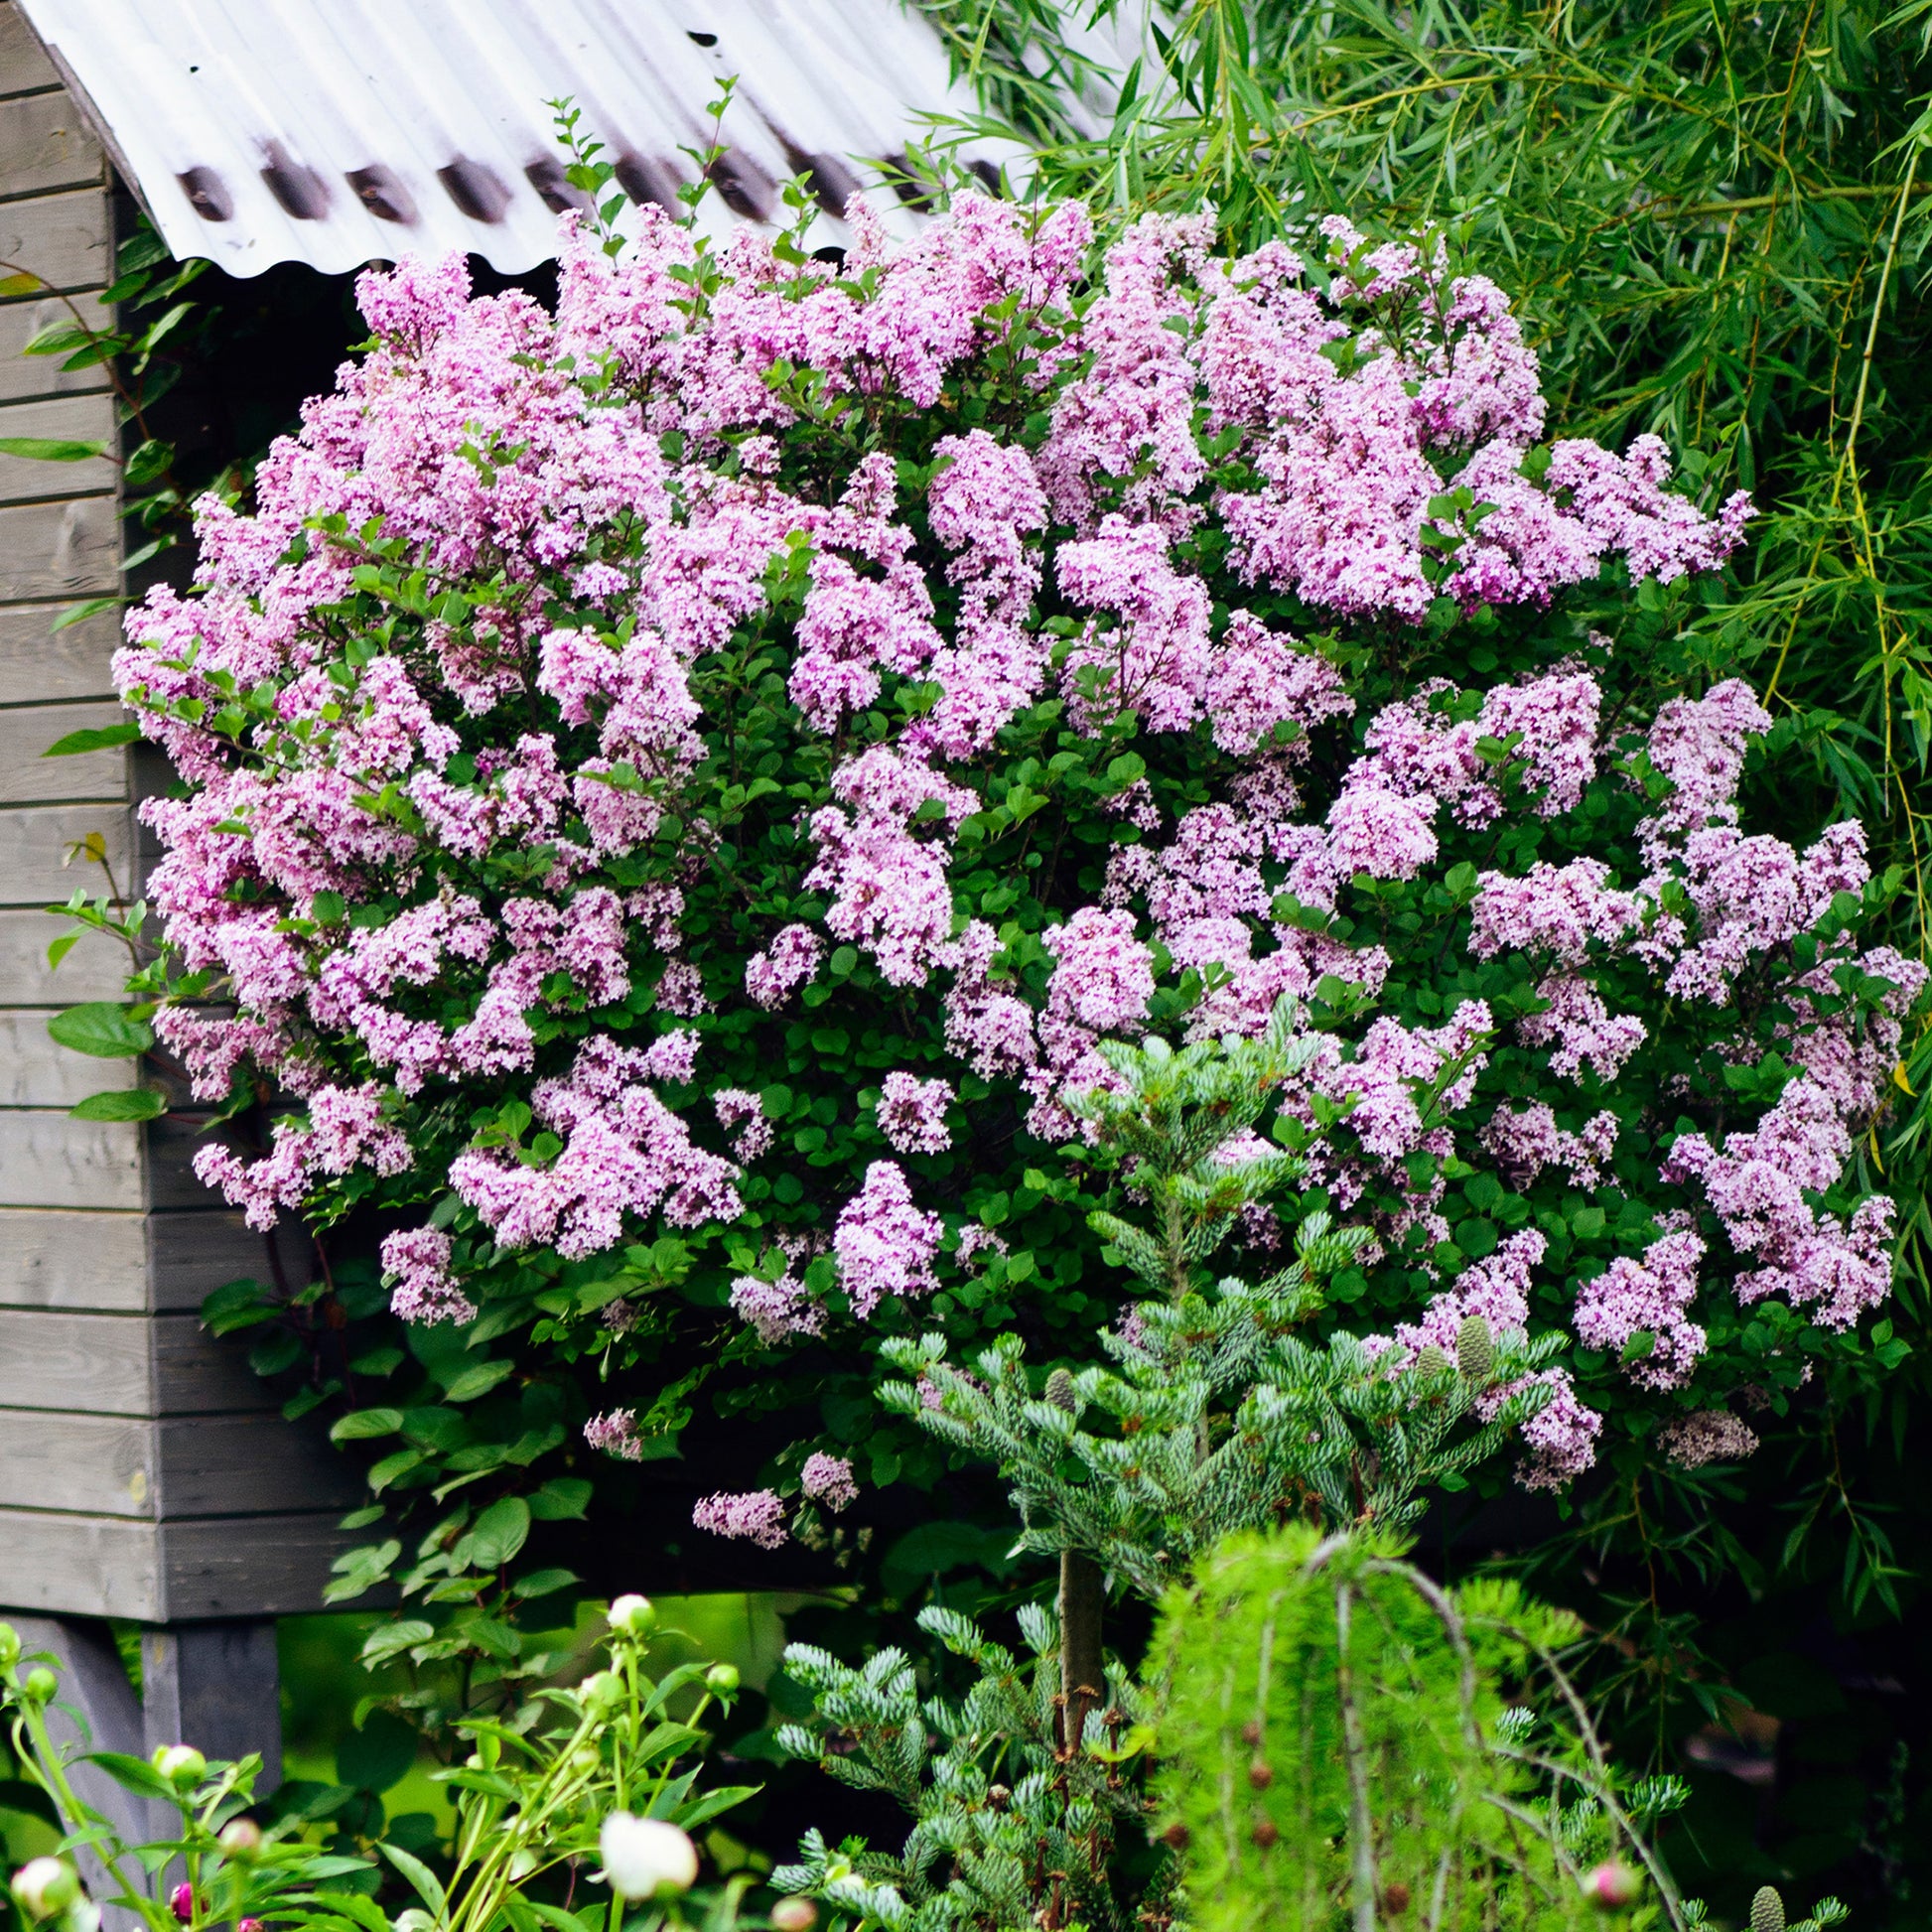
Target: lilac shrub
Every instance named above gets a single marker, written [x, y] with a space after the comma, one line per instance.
[676, 792]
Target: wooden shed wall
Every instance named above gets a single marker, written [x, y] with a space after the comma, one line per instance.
[143, 1472]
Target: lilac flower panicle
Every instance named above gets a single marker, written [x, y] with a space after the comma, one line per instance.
[756, 1515]
[828, 1479]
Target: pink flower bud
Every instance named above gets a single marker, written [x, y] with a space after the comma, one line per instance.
[1612, 1885]
[180, 1903]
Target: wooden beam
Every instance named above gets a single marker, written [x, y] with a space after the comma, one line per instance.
[50, 550]
[22, 375]
[258, 1566]
[48, 1159]
[54, 1258]
[35, 1071]
[23, 60]
[46, 144]
[94, 969]
[26, 776]
[79, 419]
[123, 1365]
[62, 238]
[89, 1566]
[217, 1687]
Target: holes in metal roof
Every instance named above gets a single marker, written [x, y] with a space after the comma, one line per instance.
[207, 194]
[301, 193]
[644, 178]
[746, 188]
[703, 40]
[553, 185]
[915, 194]
[829, 181]
[475, 188]
[378, 190]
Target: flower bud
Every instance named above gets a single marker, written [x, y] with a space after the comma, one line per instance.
[255, 1924]
[241, 1840]
[722, 1678]
[181, 1765]
[9, 1646]
[40, 1684]
[1611, 1885]
[181, 1901]
[1059, 1391]
[1767, 1911]
[646, 1856]
[632, 1614]
[44, 1886]
[412, 1918]
[603, 1690]
[793, 1915]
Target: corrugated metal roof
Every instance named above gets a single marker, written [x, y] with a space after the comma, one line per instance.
[336, 132]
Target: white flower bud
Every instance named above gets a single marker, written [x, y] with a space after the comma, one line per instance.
[632, 1614]
[643, 1857]
[181, 1765]
[44, 1886]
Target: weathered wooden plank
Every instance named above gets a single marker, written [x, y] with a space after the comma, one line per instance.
[173, 1142]
[200, 1374]
[39, 665]
[95, 969]
[201, 1465]
[79, 419]
[234, 1466]
[22, 375]
[101, 1465]
[123, 1365]
[44, 143]
[70, 549]
[93, 1364]
[193, 1254]
[28, 776]
[84, 1566]
[51, 1258]
[35, 1071]
[62, 238]
[34, 839]
[23, 60]
[253, 1565]
[48, 1159]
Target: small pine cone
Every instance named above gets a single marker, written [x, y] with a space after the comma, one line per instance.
[1266, 1833]
[1261, 1774]
[1395, 1898]
[1476, 1350]
[1430, 1360]
[1176, 1837]
[1251, 1732]
[1060, 1390]
[1767, 1911]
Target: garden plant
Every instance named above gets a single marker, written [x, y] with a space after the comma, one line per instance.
[1100, 858]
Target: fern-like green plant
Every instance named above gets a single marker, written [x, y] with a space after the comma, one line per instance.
[1344, 1743]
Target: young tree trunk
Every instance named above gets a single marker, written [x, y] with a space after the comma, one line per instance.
[1083, 1673]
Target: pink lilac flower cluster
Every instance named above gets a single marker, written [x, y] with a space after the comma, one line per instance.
[757, 1514]
[913, 1113]
[828, 1479]
[1707, 1436]
[419, 1260]
[616, 1434]
[412, 867]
